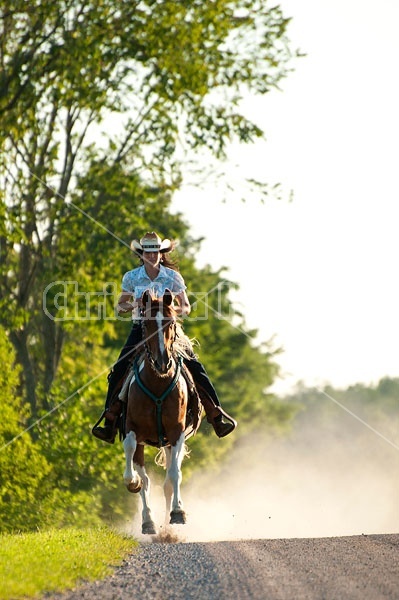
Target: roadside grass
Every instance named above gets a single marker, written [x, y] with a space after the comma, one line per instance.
[32, 564]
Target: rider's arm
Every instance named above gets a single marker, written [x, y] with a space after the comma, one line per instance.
[183, 306]
[124, 303]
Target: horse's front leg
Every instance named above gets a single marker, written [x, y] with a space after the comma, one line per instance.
[131, 478]
[173, 479]
[167, 485]
[147, 524]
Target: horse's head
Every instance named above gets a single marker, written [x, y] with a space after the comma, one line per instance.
[159, 329]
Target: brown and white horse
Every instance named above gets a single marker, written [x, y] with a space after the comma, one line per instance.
[156, 411]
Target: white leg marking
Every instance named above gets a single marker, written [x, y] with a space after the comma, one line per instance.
[145, 494]
[174, 472]
[168, 486]
[129, 445]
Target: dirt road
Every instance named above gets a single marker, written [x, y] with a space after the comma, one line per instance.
[359, 567]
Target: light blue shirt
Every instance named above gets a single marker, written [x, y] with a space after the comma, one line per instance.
[137, 281]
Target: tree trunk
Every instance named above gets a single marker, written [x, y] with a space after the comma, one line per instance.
[28, 380]
[53, 337]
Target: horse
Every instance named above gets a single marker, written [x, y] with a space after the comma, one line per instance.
[158, 412]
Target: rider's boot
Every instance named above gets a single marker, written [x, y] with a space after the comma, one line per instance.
[113, 408]
[217, 417]
[111, 417]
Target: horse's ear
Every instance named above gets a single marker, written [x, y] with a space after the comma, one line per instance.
[145, 298]
[167, 298]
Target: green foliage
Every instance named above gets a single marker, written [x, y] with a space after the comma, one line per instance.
[23, 469]
[54, 474]
[57, 560]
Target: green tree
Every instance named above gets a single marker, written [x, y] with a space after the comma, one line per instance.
[154, 73]
[359, 411]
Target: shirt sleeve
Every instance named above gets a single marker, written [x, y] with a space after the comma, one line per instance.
[127, 282]
[178, 284]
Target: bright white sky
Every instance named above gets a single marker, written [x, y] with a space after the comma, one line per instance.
[320, 274]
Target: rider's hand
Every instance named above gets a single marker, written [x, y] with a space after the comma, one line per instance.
[126, 307]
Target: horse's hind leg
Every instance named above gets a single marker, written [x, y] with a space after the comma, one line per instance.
[131, 478]
[147, 524]
[174, 477]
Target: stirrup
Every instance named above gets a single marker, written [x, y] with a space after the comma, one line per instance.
[108, 432]
[99, 420]
[221, 427]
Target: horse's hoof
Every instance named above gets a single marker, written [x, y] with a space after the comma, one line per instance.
[177, 517]
[148, 528]
[134, 487]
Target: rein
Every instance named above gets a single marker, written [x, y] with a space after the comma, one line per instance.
[159, 399]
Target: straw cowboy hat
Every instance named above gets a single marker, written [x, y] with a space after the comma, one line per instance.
[151, 242]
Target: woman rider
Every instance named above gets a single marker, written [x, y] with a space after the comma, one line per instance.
[156, 273]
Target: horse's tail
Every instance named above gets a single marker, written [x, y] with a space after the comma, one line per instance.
[160, 458]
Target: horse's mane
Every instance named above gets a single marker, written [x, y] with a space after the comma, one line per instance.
[183, 344]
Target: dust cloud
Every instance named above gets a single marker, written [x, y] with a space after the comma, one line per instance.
[314, 482]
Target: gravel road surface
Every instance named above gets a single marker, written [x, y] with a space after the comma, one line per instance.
[357, 567]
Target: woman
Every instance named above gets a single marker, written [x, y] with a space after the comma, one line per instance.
[156, 273]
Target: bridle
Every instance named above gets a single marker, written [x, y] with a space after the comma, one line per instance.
[173, 377]
[171, 322]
